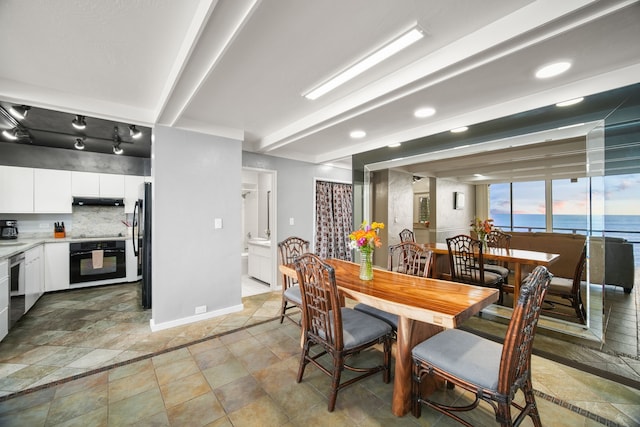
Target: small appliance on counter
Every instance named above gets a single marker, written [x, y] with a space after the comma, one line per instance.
[8, 229]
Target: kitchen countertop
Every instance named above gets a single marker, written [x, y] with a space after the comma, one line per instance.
[11, 247]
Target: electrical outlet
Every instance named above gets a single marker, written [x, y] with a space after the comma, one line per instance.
[217, 223]
[201, 309]
[291, 221]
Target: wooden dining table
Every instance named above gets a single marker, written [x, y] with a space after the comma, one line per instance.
[517, 257]
[424, 307]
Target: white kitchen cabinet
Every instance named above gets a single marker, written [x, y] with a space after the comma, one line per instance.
[33, 276]
[56, 266]
[259, 262]
[111, 185]
[4, 299]
[92, 184]
[132, 185]
[52, 191]
[16, 189]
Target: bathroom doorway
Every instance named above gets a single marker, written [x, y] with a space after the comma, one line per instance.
[259, 255]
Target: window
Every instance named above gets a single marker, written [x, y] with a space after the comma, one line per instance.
[500, 205]
[571, 205]
[528, 206]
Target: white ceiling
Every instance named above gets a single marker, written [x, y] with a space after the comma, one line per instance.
[238, 68]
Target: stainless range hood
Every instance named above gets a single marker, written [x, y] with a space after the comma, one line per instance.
[97, 201]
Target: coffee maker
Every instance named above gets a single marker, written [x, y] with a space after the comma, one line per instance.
[8, 229]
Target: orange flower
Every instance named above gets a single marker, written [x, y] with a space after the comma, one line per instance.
[366, 237]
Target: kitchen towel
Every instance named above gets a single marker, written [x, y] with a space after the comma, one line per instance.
[97, 257]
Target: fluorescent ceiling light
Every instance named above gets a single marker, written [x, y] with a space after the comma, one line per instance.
[402, 42]
[460, 129]
[570, 126]
[357, 134]
[569, 102]
[424, 112]
[553, 70]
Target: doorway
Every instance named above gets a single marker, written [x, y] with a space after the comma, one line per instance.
[259, 254]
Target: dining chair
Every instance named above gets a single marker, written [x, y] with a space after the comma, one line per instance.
[467, 264]
[407, 258]
[340, 331]
[290, 249]
[569, 290]
[488, 370]
[499, 239]
[407, 235]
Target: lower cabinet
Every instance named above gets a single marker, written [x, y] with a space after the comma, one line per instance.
[33, 276]
[56, 266]
[259, 263]
[4, 299]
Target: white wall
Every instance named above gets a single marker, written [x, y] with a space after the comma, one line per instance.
[449, 221]
[196, 178]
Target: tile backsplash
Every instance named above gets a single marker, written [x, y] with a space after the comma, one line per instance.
[94, 221]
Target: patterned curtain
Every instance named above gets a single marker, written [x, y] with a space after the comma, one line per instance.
[334, 219]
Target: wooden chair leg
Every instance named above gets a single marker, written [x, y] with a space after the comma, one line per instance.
[303, 360]
[531, 402]
[338, 363]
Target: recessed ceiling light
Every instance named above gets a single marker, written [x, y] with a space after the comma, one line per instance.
[460, 129]
[569, 102]
[390, 49]
[478, 175]
[394, 145]
[553, 70]
[424, 112]
[357, 134]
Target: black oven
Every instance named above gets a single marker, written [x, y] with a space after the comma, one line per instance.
[97, 260]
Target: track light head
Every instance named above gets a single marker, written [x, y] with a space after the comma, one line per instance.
[117, 149]
[79, 144]
[134, 132]
[11, 134]
[79, 122]
[19, 111]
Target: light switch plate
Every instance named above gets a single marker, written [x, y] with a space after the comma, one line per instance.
[217, 223]
[291, 221]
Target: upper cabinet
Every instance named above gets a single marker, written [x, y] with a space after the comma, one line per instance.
[131, 191]
[16, 190]
[52, 191]
[90, 184]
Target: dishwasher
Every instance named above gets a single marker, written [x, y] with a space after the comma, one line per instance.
[16, 288]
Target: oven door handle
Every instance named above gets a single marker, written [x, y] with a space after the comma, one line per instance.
[106, 251]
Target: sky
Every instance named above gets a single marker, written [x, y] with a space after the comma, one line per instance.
[619, 195]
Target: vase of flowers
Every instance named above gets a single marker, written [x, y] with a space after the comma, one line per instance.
[365, 240]
[482, 228]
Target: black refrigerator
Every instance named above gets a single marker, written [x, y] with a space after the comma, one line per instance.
[141, 240]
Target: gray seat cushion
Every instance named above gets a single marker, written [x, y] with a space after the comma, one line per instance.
[560, 286]
[464, 355]
[490, 279]
[390, 318]
[498, 269]
[293, 294]
[359, 328]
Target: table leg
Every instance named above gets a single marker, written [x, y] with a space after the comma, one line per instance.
[410, 333]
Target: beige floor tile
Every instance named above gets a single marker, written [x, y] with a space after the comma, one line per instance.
[184, 389]
[199, 411]
[136, 408]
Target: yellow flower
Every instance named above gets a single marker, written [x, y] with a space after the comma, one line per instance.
[366, 237]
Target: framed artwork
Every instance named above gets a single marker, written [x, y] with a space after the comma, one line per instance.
[458, 200]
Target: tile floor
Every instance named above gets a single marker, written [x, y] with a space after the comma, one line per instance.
[235, 370]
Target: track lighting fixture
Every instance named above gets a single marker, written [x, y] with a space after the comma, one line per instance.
[19, 111]
[117, 140]
[79, 144]
[11, 134]
[134, 132]
[79, 122]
